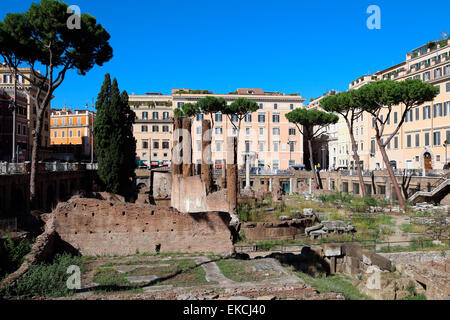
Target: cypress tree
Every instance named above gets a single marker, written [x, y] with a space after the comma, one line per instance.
[115, 144]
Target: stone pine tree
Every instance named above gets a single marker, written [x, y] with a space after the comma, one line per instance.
[380, 100]
[311, 124]
[115, 144]
[345, 104]
[211, 105]
[40, 38]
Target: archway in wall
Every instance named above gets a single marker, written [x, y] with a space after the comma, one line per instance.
[62, 191]
[50, 202]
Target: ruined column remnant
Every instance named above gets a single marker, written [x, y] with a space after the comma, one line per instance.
[187, 148]
[224, 175]
[232, 174]
[206, 175]
[177, 138]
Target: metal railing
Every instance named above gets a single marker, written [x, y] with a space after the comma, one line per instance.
[7, 168]
[371, 244]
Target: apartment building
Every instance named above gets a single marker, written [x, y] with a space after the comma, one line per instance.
[71, 134]
[13, 127]
[266, 137]
[153, 128]
[422, 141]
[7, 83]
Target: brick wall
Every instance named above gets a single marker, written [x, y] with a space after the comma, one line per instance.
[101, 227]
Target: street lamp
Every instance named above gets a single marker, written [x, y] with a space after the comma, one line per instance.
[446, 142]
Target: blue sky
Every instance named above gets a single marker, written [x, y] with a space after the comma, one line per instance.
[288, 46]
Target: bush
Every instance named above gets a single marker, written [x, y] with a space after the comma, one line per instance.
[15, 254]
[46, 280]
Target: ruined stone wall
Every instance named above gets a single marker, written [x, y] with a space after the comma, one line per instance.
[276, 230]
[417, 257]
[108, 227]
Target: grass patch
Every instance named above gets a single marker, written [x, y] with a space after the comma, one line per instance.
[413, 228]
[46, 279]
[336, 283]
[242, 271]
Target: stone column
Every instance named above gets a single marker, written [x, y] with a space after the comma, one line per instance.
[232, 174]
[310, 186]
[247, 172]
[270, 184]
[224, 174]
[206, 175]
[291, 186]
[176, 156]
[187, 148]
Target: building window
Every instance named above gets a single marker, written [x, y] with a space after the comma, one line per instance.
[276, 146]
[200, 117]
[247, 146]
[427, 138]
[276, 118]
[63, 121]
[447, 70]
[218, 146]
[248, 117]
[395, 117]
[362, 131]
[144, 144]
[437, 73]
[55, 134]
[155, 128]
[180, 104]
[395, 142]
[437, 110]
[199, 129]
[218, 117]
[70, 133]
[261, 106]
[408, 141]
[292, 131]
[7, 79]
[261, 146]
[438, 158]
[155, 144]
[447, 108]
[362, 146]
[261, 118]
[219, 130]
[426, 76]
[63, 134]
[55, 122]
[199, 145]
[79, 133]
[276, 164]
[144, 115]
[417, 114]
[291, 106]
[426, 112]
[292, 146]
[437, 138]
[165, 115]
[276, 131]
[155, 115]
[247, 131]
[165, 128]
[261, 131]
[165, 145]
[417, 140]
[372, 146]
[234, 118]
[275, 106]
[144, 128]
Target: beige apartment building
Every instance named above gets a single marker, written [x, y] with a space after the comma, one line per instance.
[266, 137]
[422, 141]
[153, 128]
[25, 88]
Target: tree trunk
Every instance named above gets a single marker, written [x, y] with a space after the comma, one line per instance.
[358, 166]
[34, 169]
[311, 162]
[398, 192]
